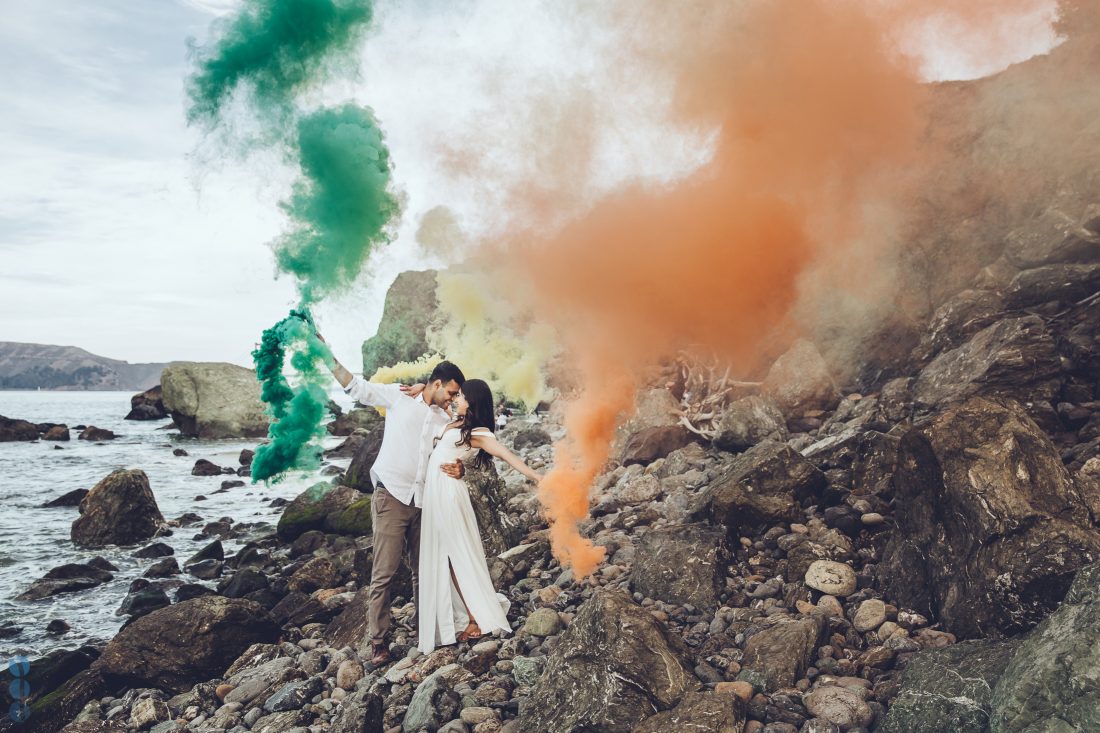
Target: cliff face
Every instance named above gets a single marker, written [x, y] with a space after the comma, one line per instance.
[402, 334]
[43, 366]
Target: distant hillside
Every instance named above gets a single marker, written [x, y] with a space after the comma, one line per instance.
[34, 366]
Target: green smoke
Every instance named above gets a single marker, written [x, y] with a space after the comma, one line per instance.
[277, 48]
[340, 206]
[298, 411]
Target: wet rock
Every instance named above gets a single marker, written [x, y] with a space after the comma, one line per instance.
[800, 380]
[57, 432]
[316, 574]
[318, 507]
[720, 712]
[156, 549]
[991, 528]
[610, 670]
[749, 421]
[781, 652]
[71, 498]
[243, 582]
[214, 400]
[682, 564]
[12, 430]
[763, 485]
[162, 569]
[206, 569]
[175, 647]
[148, 405]
[65, 579]
[212, 551]
[93, 433]
[1047, 678]
[119, 510]
[142, 601]
[366, 446]
[1015, 356]
[949, 689]
[204, 467]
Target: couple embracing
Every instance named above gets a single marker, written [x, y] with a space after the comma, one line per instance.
[421, 505]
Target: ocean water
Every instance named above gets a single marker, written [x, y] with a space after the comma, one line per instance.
[34, 539]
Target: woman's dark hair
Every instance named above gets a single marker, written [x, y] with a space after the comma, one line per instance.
[479, 414]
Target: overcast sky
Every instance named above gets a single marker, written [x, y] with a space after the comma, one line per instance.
[122, 233]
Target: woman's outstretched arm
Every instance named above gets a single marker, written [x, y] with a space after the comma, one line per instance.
[494, 447]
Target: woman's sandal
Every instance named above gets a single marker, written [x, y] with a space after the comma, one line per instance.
[471, 633]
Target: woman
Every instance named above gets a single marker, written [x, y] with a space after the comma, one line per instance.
[454, 578]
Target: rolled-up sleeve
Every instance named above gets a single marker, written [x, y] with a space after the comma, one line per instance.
[370, 393]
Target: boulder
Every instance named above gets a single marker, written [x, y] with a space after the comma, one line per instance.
[358, 419]
[748, 421]
[12, 430]
[94, 434]
[839, 705]
[950, 688]
[489, 497]
[148, 405]
[69, 498]
[57, 432]
[991, 528]
[653, 408]
[1015, 356]
[65, 579]
[869, 457]
[649, 444]
[214, 400]
[717, 712]
[781, 652]
[192, 641]
[1063, 283]
[610, 670]
[800, 380]
[359, 712]
[682, 564]
[354, 519]
[528, 436]
[402, 333]
[204, 467]
[763, 485]
[1051, 676]
[959, 318]
[366, 447]
[435, 702]
[119, 510]
[1054, 237]
[318, 507]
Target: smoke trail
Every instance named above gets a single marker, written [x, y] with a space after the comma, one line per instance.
[339, 208]
[820, 118]
[276, 48]
[296, 430]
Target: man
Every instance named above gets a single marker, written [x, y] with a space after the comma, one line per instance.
[407, 441]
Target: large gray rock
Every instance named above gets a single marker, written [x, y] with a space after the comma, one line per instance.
[763, 485]
[119, 510]
[682, 564]
[147, 405]
[959, 318]
[991, 528]
[748, 421]
[359, 712]
[191, 641]
[1063, 283]
[1054, 237]
[949, 689]
[1051, 682]
[410, 306]
[653, 408]
[716, 712]
[12, 429]
[1015, 356]
[781, 652]
[435, 702]
[611, 669]
[488, 495]
[214, 400]
[800, 380]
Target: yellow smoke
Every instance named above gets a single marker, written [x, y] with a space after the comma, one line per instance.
[407, 370]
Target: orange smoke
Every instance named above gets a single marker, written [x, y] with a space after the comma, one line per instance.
[818, 115]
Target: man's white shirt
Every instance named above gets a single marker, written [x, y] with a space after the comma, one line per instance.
[407, 442]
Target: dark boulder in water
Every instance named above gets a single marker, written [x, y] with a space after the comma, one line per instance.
[204, 467]
[148, 405]
[12, 430]
[119, 510]
[93, 433]
[57, 432]
[71, 498]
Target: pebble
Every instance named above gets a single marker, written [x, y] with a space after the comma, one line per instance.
[831, 577]
[869, 615]
[872, 519]
[830, 606]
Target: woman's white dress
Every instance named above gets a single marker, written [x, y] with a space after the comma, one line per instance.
[449, 538]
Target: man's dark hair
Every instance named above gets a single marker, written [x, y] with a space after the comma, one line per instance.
[445, 371]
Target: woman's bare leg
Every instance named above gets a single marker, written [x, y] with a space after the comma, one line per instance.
[472, 629]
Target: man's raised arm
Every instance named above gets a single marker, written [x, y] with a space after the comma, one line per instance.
[362, 391]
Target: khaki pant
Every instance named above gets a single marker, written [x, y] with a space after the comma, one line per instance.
[396, 526]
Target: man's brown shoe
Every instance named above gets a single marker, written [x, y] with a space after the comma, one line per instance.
[380, 653]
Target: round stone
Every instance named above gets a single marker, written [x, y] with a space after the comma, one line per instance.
[870, 615]
[872, 519]
[831, 577]
[475, 715]
[543, 622]
[838, 705]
